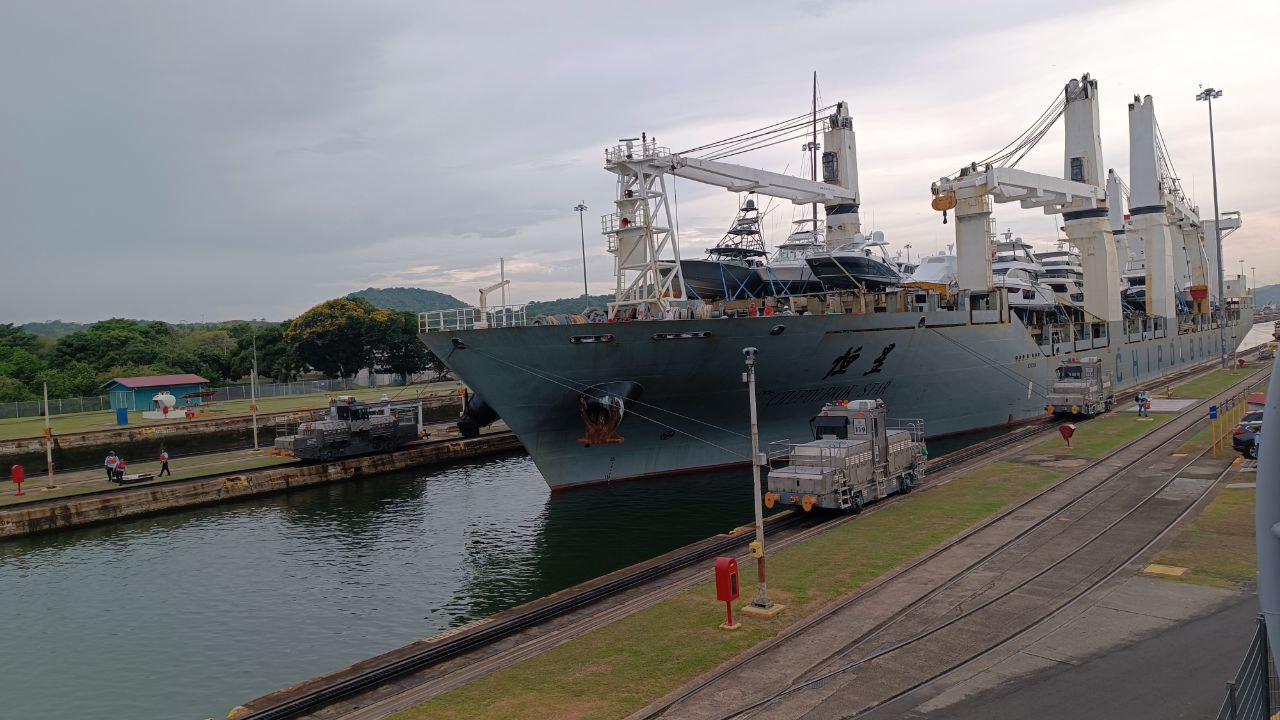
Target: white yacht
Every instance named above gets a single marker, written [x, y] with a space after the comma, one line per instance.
[935, 272]
[788, 272]
[862, 263]
[1014, 268]
[1064, 274]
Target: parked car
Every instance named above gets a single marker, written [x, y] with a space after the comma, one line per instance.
[1244, 438]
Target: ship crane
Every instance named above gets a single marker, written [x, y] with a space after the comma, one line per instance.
[1079, 196]
[1164, 218]
[639, 231]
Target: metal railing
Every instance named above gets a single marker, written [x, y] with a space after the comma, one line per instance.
[1248, 695]
[469, 318]
[635, 151]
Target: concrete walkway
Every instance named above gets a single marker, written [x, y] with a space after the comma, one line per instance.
[1145, 648]
[1154, 649]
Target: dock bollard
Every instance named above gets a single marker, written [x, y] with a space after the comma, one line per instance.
[1067, 430]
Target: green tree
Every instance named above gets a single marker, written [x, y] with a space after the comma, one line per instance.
[74, 380]
[394, 343]
[115, 342]
[14, 337]
[12, 390]
[332, 337]
[21, 365]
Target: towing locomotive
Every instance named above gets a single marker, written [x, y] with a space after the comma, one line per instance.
[351, 427]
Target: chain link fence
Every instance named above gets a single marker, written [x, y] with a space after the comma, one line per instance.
[102, 403]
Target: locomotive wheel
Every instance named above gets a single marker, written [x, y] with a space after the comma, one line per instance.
[905, 485]
[857, 504]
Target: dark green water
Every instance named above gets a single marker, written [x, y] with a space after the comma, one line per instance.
[185, 615]
[188, 614]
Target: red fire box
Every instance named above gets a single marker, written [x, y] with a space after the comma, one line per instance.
[726, 579]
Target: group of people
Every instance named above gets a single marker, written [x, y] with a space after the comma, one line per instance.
[117, 466]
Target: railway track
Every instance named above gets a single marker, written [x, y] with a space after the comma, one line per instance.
[329, 692]
[998, 583]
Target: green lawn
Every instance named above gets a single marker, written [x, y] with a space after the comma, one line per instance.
[14, 428]
[1212, 383]
[619, 668]
[1099, 436]
[1218, 547]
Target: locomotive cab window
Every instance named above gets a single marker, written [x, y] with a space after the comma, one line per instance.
[1071, 372]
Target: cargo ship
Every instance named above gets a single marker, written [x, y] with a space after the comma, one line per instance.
[657, 389]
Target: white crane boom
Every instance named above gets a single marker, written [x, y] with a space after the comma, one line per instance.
[739, 178]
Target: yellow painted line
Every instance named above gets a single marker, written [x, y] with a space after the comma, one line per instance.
[1169, 570]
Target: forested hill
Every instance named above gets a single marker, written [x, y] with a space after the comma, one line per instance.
[567, 305]
[419, 300]
[53, 328]
[1266, 295]
[405, 299]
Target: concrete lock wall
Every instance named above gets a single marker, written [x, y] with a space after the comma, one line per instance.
[59, 513]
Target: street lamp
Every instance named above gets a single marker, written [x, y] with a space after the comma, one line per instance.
[581, 208]
[1208, 95]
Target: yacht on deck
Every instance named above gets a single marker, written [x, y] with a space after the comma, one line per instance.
[859, 264]
[788, 272]
[1014, 268]
[1064, 274]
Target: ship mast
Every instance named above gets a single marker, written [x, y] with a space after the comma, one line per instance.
[813, 151]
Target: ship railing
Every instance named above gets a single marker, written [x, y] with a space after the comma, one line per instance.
[631, 151]
[914, 426]
[471, 318]
[612, 223]
[777, 452]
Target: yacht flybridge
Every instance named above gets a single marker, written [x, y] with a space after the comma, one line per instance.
[657, 388]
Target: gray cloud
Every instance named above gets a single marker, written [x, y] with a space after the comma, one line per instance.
[184, 160]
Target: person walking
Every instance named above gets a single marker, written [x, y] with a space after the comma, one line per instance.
[1144, 404]
[164, 463]
[110, 463]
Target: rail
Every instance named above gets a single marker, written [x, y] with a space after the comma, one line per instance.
[471, 318]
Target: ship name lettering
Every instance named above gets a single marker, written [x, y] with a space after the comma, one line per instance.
[878, 365]
[841, 364]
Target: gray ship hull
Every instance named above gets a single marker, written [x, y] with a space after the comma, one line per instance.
[955, 375]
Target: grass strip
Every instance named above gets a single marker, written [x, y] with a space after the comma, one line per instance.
[1218, 547]
[1213, 382]
[1099, 436]
[617, 669]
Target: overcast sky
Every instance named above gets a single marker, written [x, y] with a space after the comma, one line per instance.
[195, 160]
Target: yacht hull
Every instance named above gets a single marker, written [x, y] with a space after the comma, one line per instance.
[846, 272]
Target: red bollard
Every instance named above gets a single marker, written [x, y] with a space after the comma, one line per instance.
[18, 475]
[1067, 430]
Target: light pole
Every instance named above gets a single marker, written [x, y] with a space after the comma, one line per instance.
[761, 606]
[581, 208]
[1208, 95]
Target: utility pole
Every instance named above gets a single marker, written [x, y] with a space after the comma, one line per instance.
[1208, 95]
[253, 391]
[761, 605]
[581, 208]
[48, 441]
